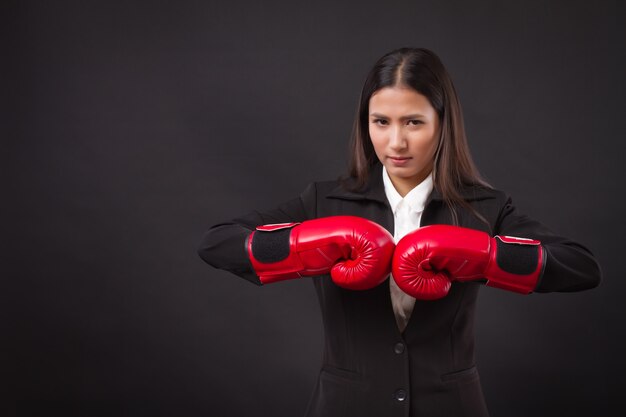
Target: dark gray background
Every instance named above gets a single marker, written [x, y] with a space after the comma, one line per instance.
[133, 127]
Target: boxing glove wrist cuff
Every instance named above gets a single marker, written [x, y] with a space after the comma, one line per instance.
[270, 253]
[515, 264]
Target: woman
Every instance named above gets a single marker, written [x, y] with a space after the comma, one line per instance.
[401, 344]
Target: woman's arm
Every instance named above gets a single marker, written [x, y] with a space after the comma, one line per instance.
[569, 265]
[223, 245]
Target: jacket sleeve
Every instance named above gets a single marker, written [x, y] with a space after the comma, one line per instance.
[569, 266]
[223, 244]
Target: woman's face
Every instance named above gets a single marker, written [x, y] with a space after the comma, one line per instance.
[404, 128]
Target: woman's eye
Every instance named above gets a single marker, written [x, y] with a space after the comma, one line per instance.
[381, 122]
[415, 122]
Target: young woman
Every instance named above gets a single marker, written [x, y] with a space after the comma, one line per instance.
[401, 344]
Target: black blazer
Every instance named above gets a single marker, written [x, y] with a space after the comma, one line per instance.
[369, 368]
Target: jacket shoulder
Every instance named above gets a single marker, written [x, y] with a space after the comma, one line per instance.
[475, 193]
[327, 187]
[314, 193]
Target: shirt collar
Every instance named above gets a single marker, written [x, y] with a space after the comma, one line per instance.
[416, 198]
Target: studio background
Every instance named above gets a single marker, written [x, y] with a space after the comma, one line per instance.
[133, 127]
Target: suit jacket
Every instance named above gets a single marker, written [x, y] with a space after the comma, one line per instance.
[369, 368]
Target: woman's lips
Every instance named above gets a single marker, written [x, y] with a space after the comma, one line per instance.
[399, 160]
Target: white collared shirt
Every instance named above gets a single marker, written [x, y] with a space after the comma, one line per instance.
[407, 213]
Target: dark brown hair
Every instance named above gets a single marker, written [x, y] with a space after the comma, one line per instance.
[421, 70]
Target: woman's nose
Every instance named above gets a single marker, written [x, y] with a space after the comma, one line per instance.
[397, 140]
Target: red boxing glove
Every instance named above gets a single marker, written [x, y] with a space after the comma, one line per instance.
[357, 252]
[428, 259]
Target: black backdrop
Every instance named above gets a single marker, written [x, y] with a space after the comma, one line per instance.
[132, 127]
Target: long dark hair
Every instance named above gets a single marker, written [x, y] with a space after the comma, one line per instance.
[423, 71]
